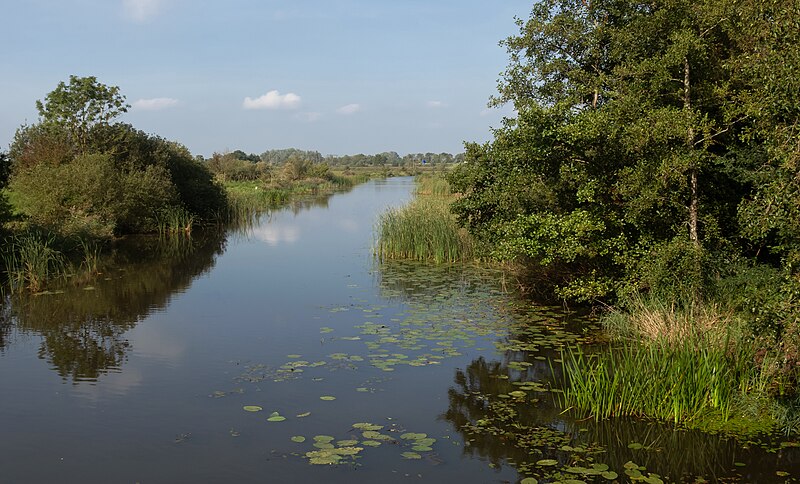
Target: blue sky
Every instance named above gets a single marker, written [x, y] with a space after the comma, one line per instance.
[336, 76]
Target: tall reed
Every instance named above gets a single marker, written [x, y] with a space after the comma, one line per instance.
[668, 381]
[31, 260]
[174, 220]
[423, 230]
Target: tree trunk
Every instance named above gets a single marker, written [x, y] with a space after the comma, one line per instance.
[693, 201]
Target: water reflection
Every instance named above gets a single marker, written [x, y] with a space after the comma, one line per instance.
[83, 325]
[522, 431]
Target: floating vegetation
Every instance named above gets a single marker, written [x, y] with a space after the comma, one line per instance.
[327, 398]
[252, 408]
[276, 417]
[330, 451]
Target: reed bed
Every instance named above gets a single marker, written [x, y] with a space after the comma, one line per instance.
[423, 230]
[662, 380]
[175, 220]
[30, 260]
[432, 185]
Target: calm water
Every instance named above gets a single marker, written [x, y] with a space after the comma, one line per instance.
[142, 374]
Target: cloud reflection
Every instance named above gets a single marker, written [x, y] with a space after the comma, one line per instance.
[275, 235]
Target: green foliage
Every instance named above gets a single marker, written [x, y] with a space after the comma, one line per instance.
[90, 196]
[74, 173]
[653, 145]
[80, 106]
[30, 260]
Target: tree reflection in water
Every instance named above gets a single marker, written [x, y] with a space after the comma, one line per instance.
[522, 431]
[83, 326]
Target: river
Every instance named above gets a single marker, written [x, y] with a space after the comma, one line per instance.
[285, 352]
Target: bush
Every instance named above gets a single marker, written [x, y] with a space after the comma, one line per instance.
[90, 196]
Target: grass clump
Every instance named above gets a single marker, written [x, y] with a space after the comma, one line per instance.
[30, 260]
[425, 229]
[175, 220]
[692, 363]
[678, 382]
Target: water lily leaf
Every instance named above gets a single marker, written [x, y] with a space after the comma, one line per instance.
[635, 446]
[413, 436]
[347, 443]
[411, 455]
[252, 408]
[610, 475]
[327, 398]
[366, 426]
[304, 414]
[323, 457]
[299, 439]
[529, 480]
[323, 438]
[421, 448]
[546, 462]
[276, 417]
[371, 443]
[348, 450]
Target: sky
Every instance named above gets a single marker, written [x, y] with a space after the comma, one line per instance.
[335, 76]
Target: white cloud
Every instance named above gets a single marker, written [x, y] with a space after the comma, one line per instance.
[349, 109]
[155, 104]
[436, 104]
[141, 10]
[309, 117]
[273, 100]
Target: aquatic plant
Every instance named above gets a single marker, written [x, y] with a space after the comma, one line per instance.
[31, 259]
[681, 382]
[175, 220]
[423, 230]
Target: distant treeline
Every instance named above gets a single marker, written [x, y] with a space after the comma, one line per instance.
[387, 158]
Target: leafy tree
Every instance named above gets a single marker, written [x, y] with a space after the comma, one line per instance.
[638, 149]
[81, 105]
[76, 172]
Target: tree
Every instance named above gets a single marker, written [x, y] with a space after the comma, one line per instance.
[638, 143]
[80, 106]
[76, 172]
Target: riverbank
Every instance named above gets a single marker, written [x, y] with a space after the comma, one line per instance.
[696, 363]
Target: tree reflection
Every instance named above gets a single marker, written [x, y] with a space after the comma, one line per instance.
[523, 431]
[83, 328]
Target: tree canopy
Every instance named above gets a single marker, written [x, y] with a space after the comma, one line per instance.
[77, 172]
[654, 147]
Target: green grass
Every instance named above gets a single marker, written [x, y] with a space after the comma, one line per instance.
[175, 220]
[30, 260]
[680, 383]
[423, 230]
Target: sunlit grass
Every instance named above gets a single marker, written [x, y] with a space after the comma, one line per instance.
[425, 229]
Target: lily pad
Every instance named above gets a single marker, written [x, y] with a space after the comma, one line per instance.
[546, 462]
[276, 417]
[299, 439]
[411, 455]
[252, 408]
[327, 398]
